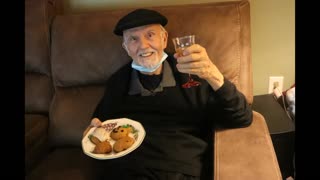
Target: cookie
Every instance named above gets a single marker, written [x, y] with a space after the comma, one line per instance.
[129, 127]
[94, 139]
[119, 132]
[103, 147]
[123, 144]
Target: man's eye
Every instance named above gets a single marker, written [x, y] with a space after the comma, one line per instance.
[132, 39]
[150, 35]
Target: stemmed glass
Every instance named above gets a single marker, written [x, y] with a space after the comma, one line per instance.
[180, 43]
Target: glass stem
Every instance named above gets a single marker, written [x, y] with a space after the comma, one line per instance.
[190, 79]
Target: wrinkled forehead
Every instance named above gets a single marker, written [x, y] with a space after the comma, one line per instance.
[141, 29]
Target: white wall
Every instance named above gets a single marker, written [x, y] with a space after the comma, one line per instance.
[273, 42]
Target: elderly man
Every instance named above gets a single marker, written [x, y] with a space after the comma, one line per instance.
[178, 121]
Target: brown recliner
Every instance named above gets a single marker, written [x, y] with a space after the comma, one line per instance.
[85, 52]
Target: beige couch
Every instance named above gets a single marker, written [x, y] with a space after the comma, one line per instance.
[82, 54]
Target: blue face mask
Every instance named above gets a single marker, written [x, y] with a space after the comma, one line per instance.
[152, 69]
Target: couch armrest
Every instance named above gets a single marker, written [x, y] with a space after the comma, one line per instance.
[36, 139]
[245, 153]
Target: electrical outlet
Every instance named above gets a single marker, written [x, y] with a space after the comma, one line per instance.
[275, 81]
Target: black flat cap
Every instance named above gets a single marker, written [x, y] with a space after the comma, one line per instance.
[139, 17]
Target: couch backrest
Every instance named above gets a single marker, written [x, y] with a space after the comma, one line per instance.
[85, 53]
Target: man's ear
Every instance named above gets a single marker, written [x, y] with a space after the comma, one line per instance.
[125, 47]
[165, 39]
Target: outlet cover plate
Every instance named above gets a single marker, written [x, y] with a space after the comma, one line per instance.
[273, 80]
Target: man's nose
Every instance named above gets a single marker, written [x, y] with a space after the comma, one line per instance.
[144, 43]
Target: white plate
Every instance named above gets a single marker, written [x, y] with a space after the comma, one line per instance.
[138, 135]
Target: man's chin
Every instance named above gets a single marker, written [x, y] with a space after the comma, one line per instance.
[147, 65]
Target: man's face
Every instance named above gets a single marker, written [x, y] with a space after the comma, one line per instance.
[145, 44]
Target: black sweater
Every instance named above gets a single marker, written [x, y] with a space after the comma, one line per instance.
[177, 121]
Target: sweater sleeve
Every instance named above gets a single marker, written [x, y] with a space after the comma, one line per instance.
[231, 106]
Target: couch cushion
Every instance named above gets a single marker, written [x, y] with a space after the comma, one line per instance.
[36, 139]
[35, 153]
[84, 49]
[36, 126]
[71, 112]
[64, 163]
[38, 93]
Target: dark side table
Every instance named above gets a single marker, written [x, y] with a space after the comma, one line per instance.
[281, 128]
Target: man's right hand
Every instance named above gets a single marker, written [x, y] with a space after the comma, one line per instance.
[95, 122]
